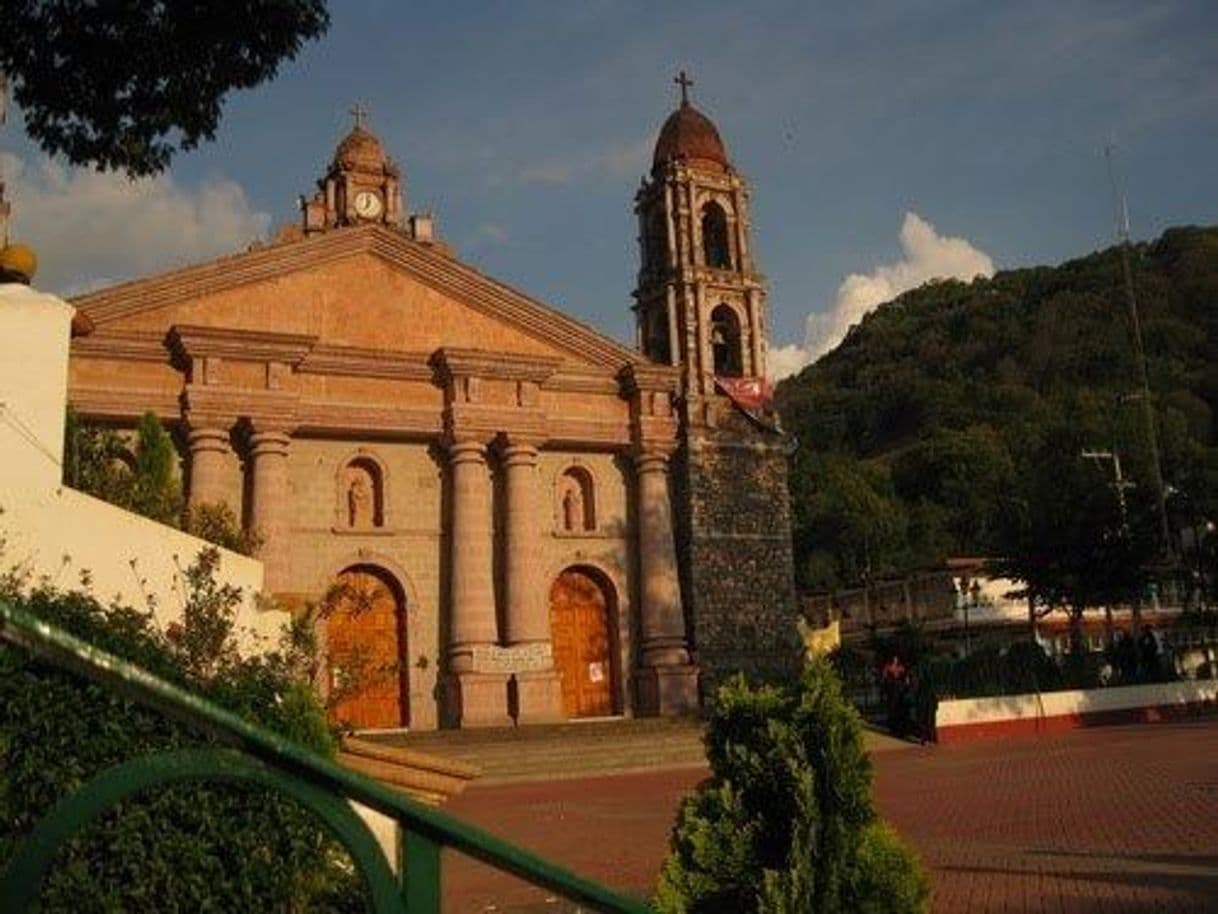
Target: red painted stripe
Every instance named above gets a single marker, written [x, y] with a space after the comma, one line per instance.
[1028, 726]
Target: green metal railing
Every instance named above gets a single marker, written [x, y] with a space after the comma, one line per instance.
[253, 755]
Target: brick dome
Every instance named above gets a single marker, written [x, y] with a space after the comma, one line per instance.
[689, 136]
[361, 149]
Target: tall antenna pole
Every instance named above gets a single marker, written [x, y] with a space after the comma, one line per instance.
[1121, 209]
[4, 205]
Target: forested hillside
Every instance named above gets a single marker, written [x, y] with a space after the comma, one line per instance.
[942, 418]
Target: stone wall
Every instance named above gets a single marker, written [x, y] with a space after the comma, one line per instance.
[734, 539]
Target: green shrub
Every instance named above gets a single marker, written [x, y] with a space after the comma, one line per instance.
[140, 476]
[199, 847]
[786, 822]
[217, 524]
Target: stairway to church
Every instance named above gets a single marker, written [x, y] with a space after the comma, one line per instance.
[575, 749]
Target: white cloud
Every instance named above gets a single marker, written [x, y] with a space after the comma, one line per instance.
[925, 254]
[91, 228]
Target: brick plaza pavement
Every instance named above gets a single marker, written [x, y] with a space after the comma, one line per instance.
[1114, 819]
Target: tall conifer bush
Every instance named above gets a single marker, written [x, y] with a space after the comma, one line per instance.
[786, 823]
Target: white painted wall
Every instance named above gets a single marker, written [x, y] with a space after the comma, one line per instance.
[56, 533]
[965, 711]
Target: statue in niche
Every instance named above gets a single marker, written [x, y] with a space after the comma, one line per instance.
[573, 509]
[359, 502]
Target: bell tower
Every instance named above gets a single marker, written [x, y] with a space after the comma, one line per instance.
[700, 304]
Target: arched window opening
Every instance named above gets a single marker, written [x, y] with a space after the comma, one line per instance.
[725, 342]
[658, 347]
[714, 237]
[576, 500]
[657, 240]
[363, 489]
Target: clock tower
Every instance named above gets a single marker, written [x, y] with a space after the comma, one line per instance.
[362, 185]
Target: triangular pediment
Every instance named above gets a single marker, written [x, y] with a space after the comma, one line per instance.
[369, 287]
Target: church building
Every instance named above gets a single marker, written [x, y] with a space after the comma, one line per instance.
[528, 520]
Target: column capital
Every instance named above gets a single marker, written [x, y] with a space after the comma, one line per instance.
[466, 450]
[207, 438]
[651, 460]
[516, 450]
[269, 441]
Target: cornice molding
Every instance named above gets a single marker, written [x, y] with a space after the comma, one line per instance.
[123, 403]
[194, 341]
[361, 362]
[326, 417]
[501, 366]
[265, 409]
[571, 380]
[127, 345]
[649, 376]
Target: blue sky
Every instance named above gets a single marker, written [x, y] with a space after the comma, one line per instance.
[526, 126]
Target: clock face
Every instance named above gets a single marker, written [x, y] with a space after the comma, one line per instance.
[367, 204]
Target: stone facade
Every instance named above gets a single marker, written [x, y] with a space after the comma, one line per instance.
[379, 412]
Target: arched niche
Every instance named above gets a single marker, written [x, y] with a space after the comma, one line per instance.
[716, 247]
[727, 354]
[575, 500]
[361, 501]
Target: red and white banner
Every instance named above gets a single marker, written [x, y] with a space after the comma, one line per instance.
[751, 394]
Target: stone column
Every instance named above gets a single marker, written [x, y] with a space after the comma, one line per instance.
[209, 446]
[480, 698]
[269, 501]
[667, 681]
[538, 685]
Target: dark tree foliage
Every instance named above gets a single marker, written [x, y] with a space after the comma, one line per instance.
[937, 408]
[125, 85]
[140, 475]
[188, 847]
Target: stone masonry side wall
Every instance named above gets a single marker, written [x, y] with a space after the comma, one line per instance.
[734, 539]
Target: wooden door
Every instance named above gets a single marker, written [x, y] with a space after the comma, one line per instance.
[580, 633]
[366, 650]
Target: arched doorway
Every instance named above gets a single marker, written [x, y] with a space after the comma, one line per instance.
[369, 685]
[582, 634]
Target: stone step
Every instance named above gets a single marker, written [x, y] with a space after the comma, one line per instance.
[563, 750]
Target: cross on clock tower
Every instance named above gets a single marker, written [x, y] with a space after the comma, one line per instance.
[362, 184]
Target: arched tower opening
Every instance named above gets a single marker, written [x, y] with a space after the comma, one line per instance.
[726, 355]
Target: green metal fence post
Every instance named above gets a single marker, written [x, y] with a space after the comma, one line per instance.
[420, 861]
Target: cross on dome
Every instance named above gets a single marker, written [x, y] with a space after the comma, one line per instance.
[360, 113]
[684, 82]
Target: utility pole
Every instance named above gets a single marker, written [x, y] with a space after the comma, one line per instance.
[1121, 208]
[4, 204]
[1121, 484]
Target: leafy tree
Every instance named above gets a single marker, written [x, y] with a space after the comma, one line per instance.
[849, 527]
[124, 86]
[786, 823]
[1068, 536]
[141, 477]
